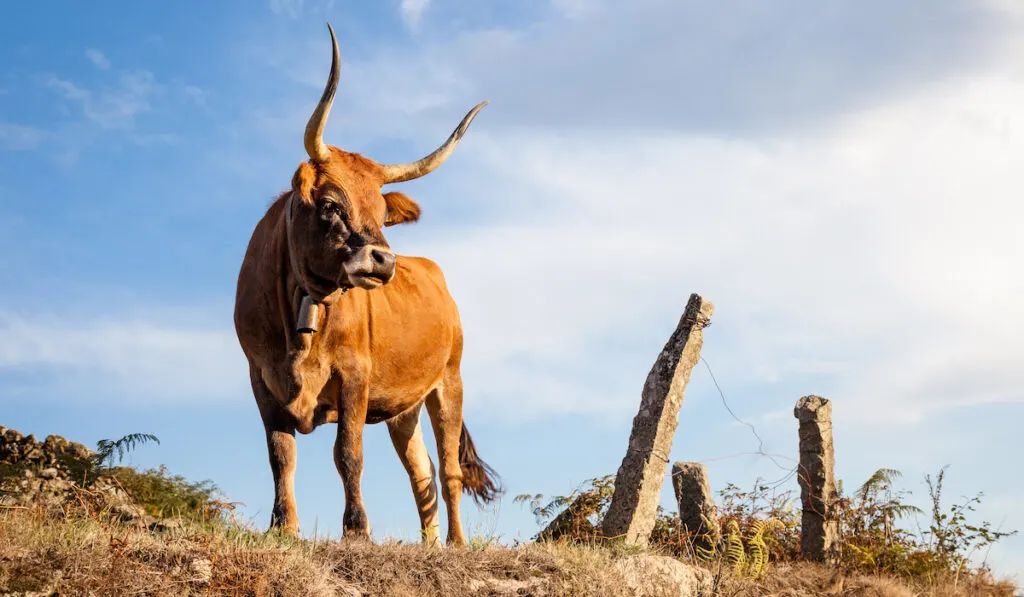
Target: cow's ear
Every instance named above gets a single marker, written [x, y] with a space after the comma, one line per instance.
[401, 209]
[303, 181]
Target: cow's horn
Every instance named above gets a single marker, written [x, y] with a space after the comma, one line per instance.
[424, 166]
[314, 140]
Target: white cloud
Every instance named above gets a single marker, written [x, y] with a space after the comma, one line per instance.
[575, 9]
[290, 8]
[884, 242]
[98, 58]
[19, 137]
[111, 108]
[412, 11]
[828, 212]
[158, 360]
[108, 108]
[297, 8]
[195, 95]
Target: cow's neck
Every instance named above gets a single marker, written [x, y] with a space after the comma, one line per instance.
[303, 316]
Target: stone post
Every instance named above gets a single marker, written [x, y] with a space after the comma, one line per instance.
[697, 513]
[817, 478]
[638, 481]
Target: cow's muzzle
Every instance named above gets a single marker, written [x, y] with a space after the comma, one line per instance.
[370, 267]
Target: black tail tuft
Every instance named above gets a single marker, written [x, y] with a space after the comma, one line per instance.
[480, 481]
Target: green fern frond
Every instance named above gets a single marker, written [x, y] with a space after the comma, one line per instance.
[759, 552]
[106, 449]
[735, 554]
[881, 478]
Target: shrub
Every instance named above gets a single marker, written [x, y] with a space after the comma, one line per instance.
[763, 525]
[157, 491]
[164, 495]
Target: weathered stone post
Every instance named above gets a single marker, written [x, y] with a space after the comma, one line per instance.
[817, 478]
[638, 482]
[697, 513]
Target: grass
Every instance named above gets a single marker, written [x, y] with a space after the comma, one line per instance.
[196, 546]
[81, 555]
[78, 555]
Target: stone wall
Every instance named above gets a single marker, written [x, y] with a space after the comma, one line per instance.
[56, 472]
[54, 457]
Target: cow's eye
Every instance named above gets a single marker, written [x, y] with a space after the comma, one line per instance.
[330, 208]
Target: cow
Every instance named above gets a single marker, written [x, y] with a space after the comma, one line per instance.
[337, 328]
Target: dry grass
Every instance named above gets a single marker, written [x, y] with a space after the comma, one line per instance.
[78, 556]
[82, 555]
[813, 580]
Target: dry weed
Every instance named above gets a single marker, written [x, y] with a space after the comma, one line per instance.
[87, 555]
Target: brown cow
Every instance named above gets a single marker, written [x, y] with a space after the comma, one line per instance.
[337, 328]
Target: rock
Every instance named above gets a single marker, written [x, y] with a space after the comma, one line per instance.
[78, 451]
[818, 493]
[63, 464]
[510, 587]
[650, 576]
[697, 512]
[167, 525]
[128, 512]
[44, 492]
[41, 587]
[634, 505]
[54, 442]
[201, 570]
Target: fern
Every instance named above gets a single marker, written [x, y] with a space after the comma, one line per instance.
[880, 481]
[750, 559]
[576, 516]
[759, 552]
[735, 554]
[106, 449]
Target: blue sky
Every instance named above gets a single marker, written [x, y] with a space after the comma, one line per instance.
[842, 181]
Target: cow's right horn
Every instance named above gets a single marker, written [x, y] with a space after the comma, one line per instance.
[424, 166]
[314, 139]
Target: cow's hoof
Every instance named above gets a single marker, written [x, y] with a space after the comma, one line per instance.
[356, 535]
[280, 531]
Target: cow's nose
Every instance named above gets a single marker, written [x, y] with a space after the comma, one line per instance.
[383, 259]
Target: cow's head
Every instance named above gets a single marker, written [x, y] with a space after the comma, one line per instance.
[336, 210]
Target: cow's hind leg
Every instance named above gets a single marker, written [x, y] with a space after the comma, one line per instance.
[280, 431]
[407, 437]
[444, 405]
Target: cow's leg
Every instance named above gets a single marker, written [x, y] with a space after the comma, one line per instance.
[348, 455]
[280, 430]
[407, 437]
[445, 407]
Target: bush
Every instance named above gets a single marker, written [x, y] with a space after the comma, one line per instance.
[761, 526]
[157, 491]
[164, 495]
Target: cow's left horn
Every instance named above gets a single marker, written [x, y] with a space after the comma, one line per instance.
[424, 166]
[314, 139]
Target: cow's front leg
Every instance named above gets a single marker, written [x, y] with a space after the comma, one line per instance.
[280, 431]
[348, 454]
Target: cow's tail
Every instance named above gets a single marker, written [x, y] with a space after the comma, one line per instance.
[479, 480]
